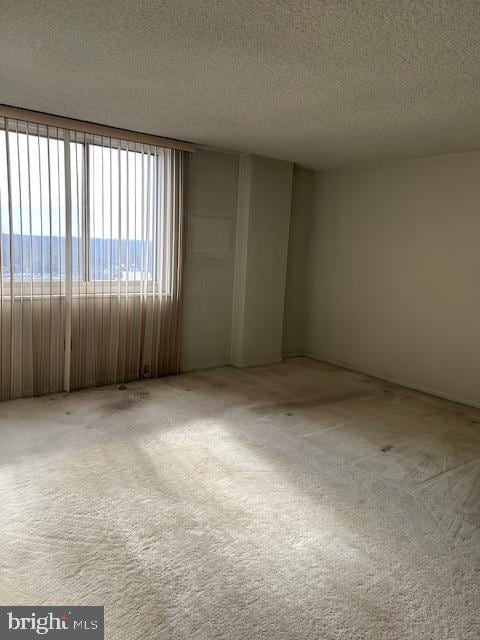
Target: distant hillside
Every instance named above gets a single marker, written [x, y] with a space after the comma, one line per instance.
[42, 255]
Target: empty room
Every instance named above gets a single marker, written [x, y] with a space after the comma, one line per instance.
[240, 319]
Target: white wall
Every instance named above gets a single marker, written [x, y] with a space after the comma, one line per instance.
[263, 215]
[300, 221]
[394, 272]
[261, 201]
[208, 270]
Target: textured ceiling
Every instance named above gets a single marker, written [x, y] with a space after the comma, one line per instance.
[322, 83]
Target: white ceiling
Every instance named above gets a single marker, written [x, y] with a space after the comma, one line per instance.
[320, 82]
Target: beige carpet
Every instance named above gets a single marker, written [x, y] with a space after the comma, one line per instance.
[294, 501]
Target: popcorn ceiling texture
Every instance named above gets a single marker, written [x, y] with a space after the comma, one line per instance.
[296, 501]
[321, 83]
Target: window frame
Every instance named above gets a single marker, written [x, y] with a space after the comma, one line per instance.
[85, 284]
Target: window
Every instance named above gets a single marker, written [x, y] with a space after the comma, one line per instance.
[91, 241]
[114, 196]
[120, 181]
[32, 207]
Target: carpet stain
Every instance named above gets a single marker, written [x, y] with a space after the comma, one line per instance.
[126, 401]
[308, 403]
[141, 395]
[201, 466]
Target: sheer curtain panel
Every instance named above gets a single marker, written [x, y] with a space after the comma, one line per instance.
[91, 232]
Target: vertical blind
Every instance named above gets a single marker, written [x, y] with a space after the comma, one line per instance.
[90, 259]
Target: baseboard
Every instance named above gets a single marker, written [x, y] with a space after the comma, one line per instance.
[402, 383]
[293, 354]
[240, 364]
[199, 366]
